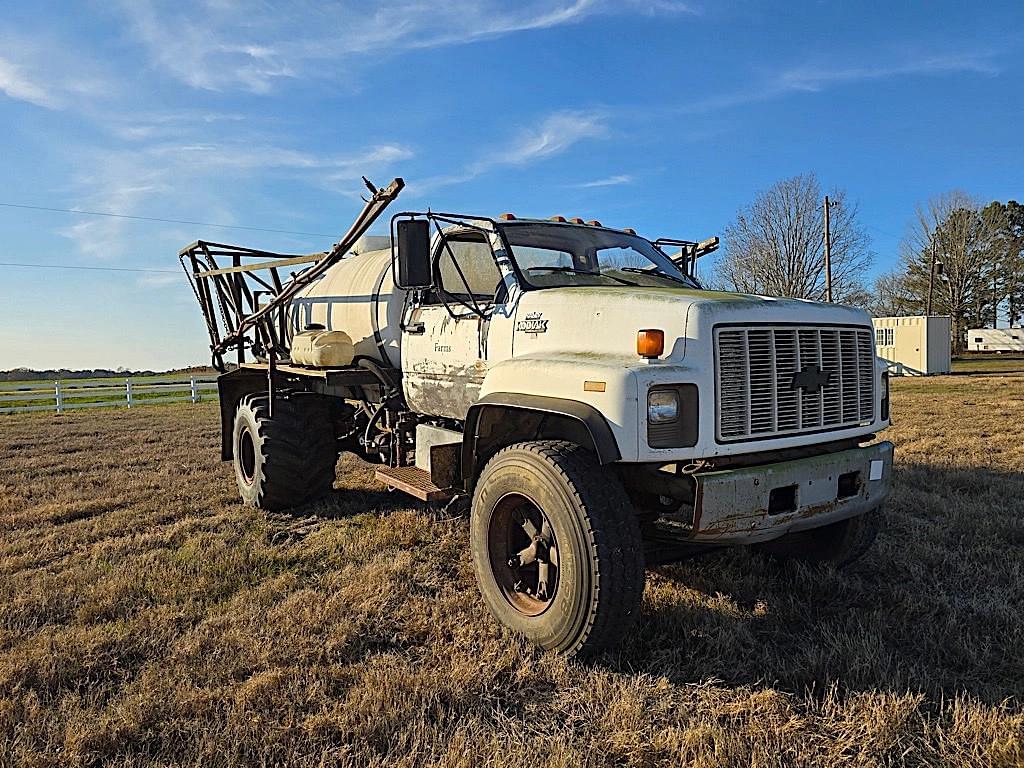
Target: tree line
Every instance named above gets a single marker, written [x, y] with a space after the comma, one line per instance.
[968, 256]
[973, 252]
[53, 374]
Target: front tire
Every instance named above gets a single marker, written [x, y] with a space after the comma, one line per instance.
[556, 547]
[285, 460]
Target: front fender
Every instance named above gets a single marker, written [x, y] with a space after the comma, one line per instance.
[605, 383]
[503, 418]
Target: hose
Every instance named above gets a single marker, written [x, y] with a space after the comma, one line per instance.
[371, 365]
[373, 422]
[389, 392]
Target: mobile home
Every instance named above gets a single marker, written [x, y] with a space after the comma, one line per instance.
[995, 340]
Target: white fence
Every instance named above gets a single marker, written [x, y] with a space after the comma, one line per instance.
[60, 396]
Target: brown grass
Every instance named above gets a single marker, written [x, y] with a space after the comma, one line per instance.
[146, 618]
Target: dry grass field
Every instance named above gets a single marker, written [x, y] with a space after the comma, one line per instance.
[146, 618]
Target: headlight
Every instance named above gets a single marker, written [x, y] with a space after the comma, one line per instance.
[662, 406]
[672, 415]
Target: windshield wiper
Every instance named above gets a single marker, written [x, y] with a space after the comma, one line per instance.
[574, 271]
[653, 273]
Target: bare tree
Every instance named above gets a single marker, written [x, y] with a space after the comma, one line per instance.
[969, 284]
[891, 296]
[776, 245]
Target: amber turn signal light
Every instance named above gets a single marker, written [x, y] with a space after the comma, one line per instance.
[650, 343]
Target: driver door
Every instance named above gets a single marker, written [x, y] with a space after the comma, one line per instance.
[444, 338]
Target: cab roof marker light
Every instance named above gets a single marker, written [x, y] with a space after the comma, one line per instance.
[559, 219]
[594, 223]
[629, 230]
[576, 220]
[507, 217]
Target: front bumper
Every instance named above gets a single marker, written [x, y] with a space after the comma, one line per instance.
[754, 504]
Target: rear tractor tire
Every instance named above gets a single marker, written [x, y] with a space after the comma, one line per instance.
[556, 547]
[287, 459]
[838, 544]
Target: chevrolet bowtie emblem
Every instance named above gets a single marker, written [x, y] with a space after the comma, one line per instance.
[810, 379]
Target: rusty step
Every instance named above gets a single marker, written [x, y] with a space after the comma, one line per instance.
[414, 481]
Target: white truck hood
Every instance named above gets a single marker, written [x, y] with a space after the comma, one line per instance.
[603, 321]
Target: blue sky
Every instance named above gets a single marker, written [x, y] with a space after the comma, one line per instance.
[660, 115]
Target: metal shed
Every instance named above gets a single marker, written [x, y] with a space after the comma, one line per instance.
[916, 345]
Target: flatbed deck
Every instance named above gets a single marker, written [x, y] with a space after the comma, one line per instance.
[348, 376]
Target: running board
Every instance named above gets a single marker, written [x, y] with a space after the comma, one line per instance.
[414, 481]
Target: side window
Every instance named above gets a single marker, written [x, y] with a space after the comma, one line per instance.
[476, 263]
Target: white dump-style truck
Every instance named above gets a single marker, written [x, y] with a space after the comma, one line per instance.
[572, 384]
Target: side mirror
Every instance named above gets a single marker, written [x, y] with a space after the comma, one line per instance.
[414, 254]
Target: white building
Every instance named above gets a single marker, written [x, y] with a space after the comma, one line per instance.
[995, 340]
[915, 345]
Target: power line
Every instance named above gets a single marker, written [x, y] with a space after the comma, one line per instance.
[882, 231]
[79, 266]
[162, 221]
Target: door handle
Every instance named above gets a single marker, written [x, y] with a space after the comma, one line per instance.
[415, 328]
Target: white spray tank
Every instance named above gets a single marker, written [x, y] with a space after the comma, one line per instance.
[358, 296]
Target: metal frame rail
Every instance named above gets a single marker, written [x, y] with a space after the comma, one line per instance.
[246, 304]
[689, 252]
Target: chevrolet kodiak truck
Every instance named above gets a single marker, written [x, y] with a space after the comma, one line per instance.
[572, 383]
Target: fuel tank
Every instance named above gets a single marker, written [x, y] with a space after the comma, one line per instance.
[358, 296]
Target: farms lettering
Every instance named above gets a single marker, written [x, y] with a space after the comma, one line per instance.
[533, 324]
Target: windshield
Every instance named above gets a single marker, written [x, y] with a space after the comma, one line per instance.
[557, 255]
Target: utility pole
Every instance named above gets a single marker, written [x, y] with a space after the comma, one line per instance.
[995, 301]
[931, 281]
[828, 255]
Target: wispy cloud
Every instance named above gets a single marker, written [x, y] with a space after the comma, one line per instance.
[242, 46]
[154, 126]
[818, 78]
[555, 134]
[814, 77]
[268, 157]
[16, 84]
[151, 178]
[609, 181]
[653, 7]
[44, 73]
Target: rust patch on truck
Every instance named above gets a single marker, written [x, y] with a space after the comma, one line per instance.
[738, 508]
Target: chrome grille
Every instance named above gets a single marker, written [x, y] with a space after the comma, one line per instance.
[755, 366]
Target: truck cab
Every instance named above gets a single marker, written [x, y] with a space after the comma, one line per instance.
[525, 311]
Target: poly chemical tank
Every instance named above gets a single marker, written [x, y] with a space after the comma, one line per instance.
[358, 296]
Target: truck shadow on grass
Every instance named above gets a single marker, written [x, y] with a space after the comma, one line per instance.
[357, 491]
[933, 607]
